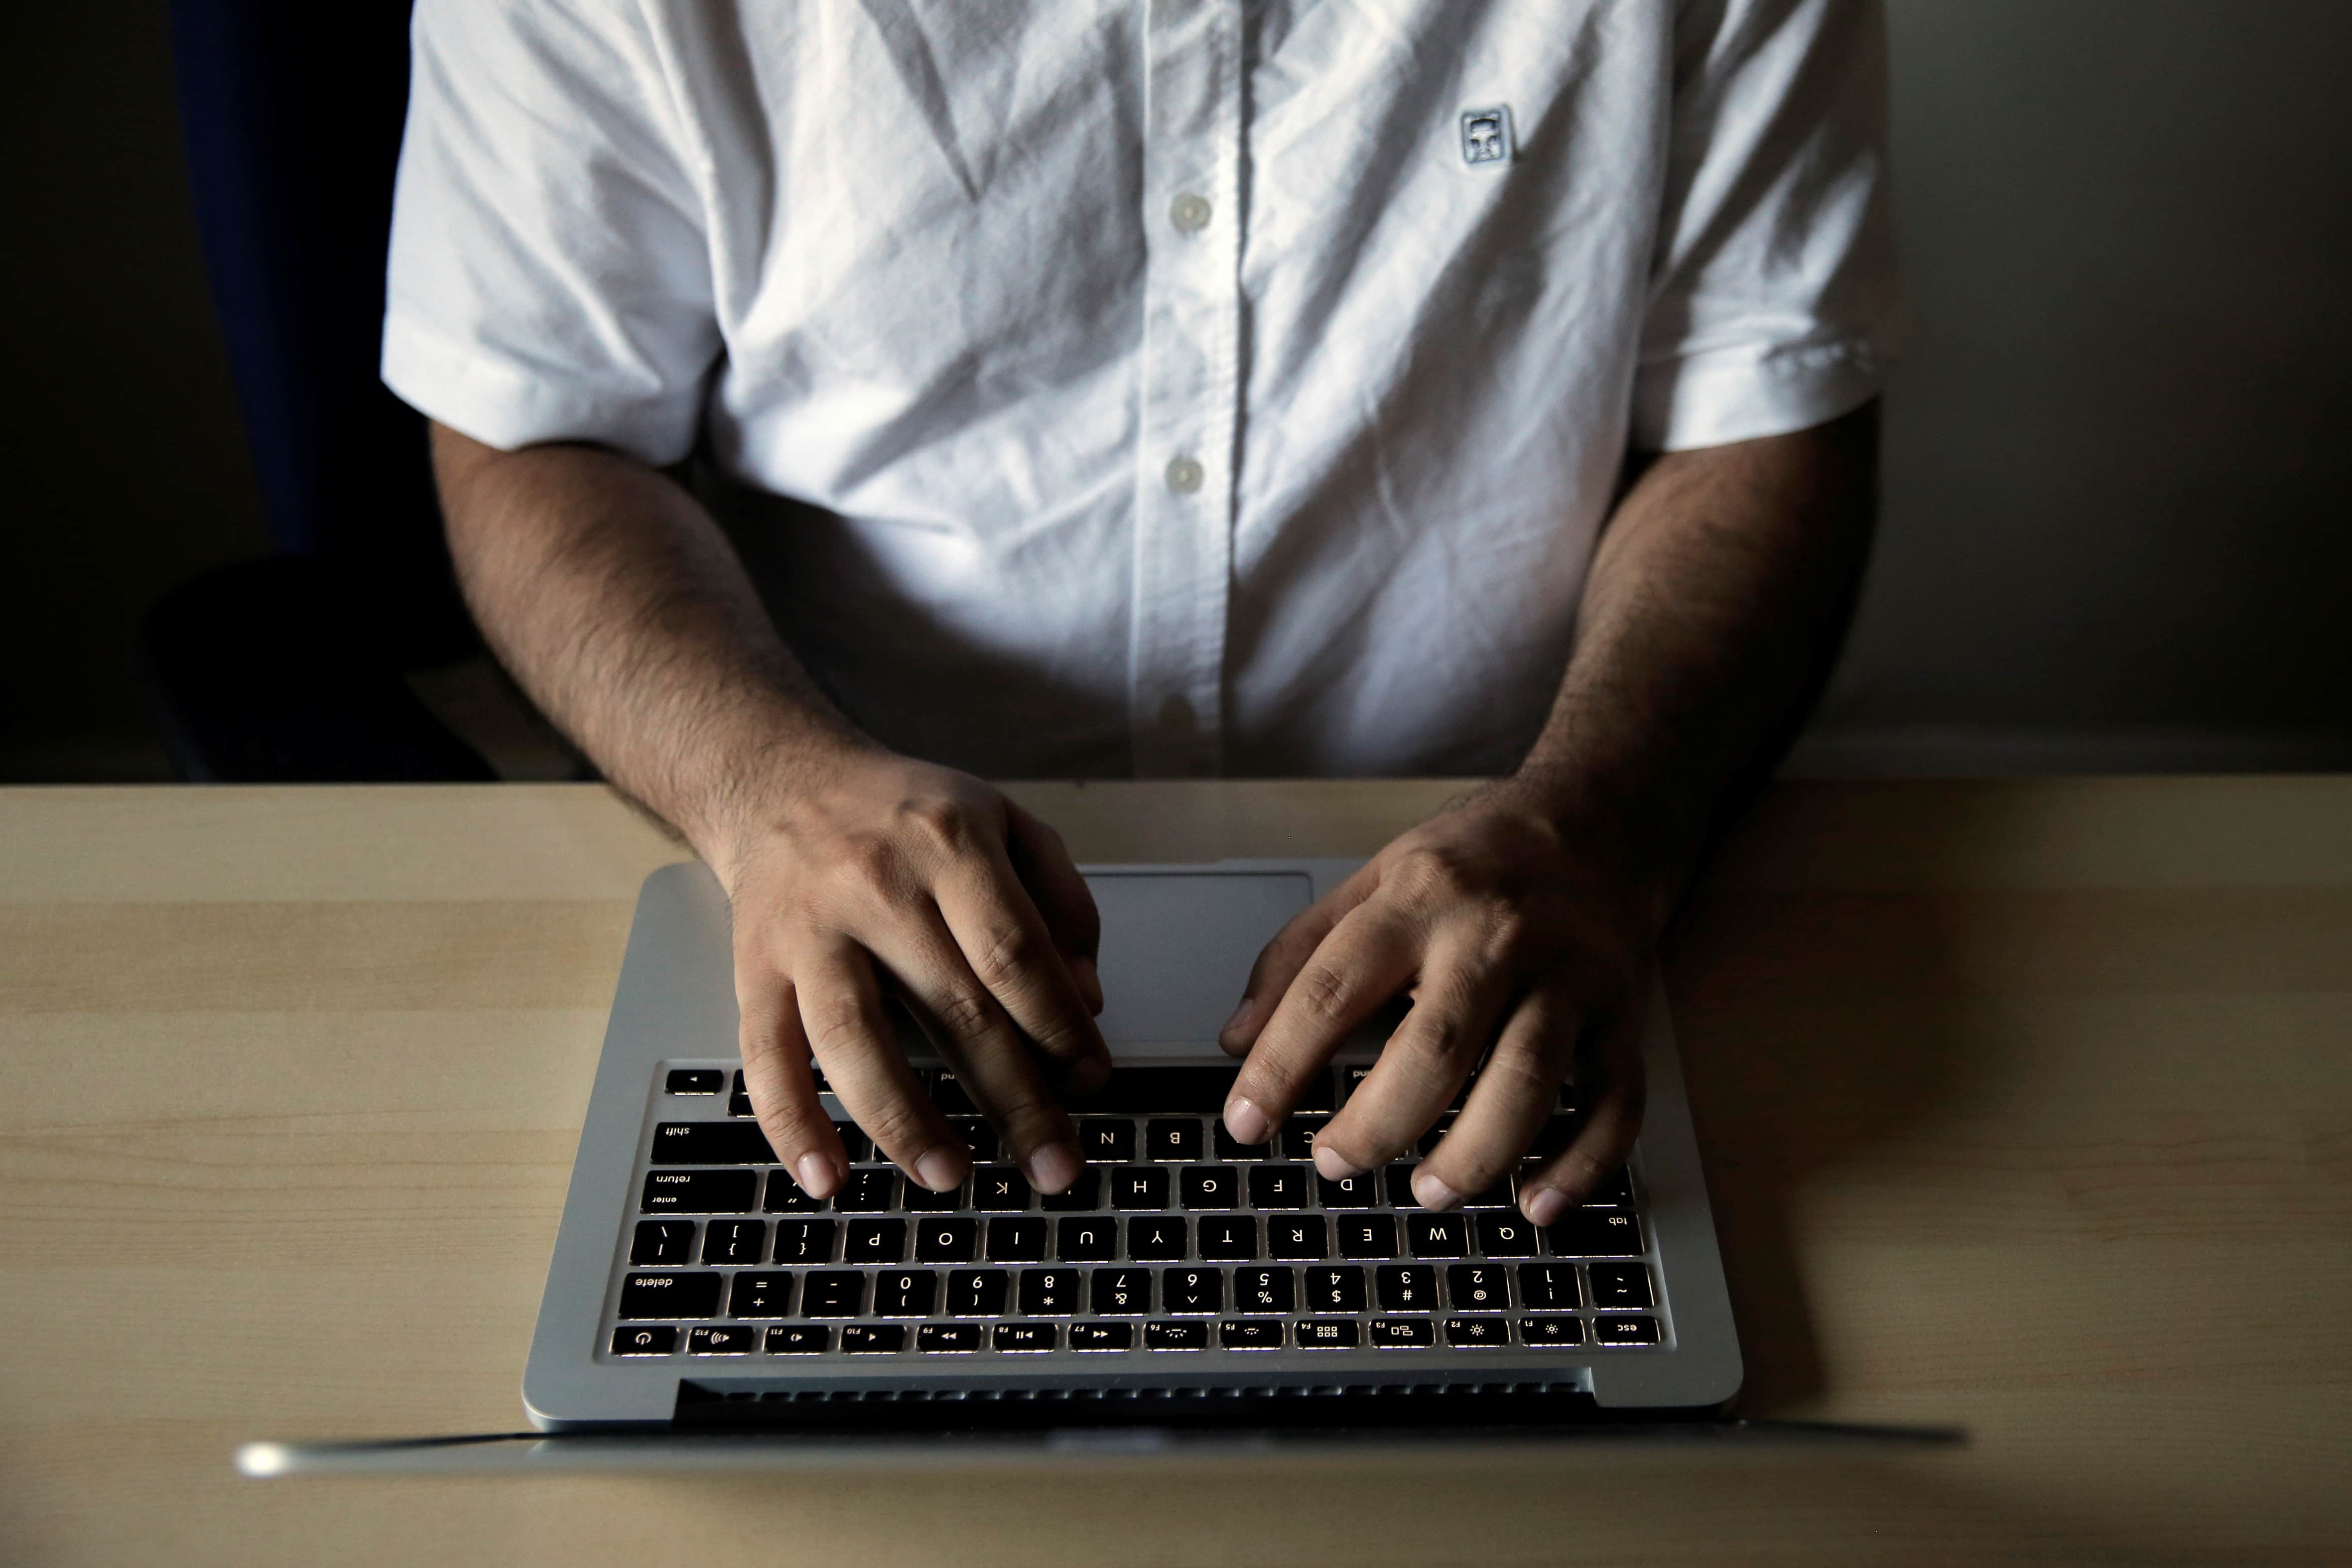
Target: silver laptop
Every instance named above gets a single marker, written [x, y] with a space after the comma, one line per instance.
[1185, 1283]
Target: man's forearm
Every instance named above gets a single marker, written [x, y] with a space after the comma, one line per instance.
[1717, 599]
[611, 594]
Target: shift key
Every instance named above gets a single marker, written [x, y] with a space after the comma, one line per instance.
[711, 1144]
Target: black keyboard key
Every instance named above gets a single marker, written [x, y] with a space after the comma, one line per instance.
[833, 1293]
[700, 1192]
[1026, 1336]
[739, 1084]
[805, 1240]
[945, 1240]
[1596, 1233]
[695, 1081]
[759, 1296]
[1403, 1333]
[1108, 1141]
[1297, 1139]
[1436, 1135]
[1615, 1192]
[870, 1190]
[977, 1292]
[874, 1241]
[1258, 1291]
[721, 1339]
[797, 1339]
[1507, 1235]
[1139, 1187]
[998, 1189]
[1551, 1329]
[1094, 1240]
[741, 1105]
[1295, 1236]
[736, 1241]
[917, 1199]
[1229, 1148]
[1279, 1187]
[1472, 1332]
[1083, 1196]
[1367, 1235]
[873, 1338]
[904, 1293]
[660, 1241]
[1102, 1336]
[785, 1196]
[949, 1095]
[1167, 1091]
[1407, 1288]
[948, 1337]
[1188, 1290]
[711, 1144]
[669, 1295]
[1170, 1138]
[1244, 1335]
[1017, 1241]
[854, 1144]
[656, 1341]
[980, 1135]
[1340, 1289]
[1619, 1285]
[1552, 1137]
[1360, 1190]
[1548, 1286]
[1438, 1234]
[1497, 1196]
[1228, 1238]
[1624, 1331]
[1050, 1292]
[1400, 1186]
[1121, 1292]
[1211, 1186]
[1327, 1336]
[1157, 1238]
[1175, 1336]
[1477, 1288]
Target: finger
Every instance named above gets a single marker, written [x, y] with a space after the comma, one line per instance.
[1423, 1065]
[1617, 1087]
[992, 1061]
[840, 1011]
[1368, 957]
[1004, 942]
[1514, 1095]
[1279, 963]
[1042, 861]
[783, 1091]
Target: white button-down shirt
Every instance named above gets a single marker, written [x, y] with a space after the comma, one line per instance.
[1173, 388]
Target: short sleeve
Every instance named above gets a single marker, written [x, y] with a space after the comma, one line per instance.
[550, 275]
[1775, 304]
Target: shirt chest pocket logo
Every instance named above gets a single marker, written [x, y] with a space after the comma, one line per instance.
[1486, 135]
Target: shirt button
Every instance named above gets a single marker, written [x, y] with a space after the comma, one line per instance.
[1190, 212]
[1184, 476]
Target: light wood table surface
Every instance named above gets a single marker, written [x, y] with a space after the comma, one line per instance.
[2027, 1107]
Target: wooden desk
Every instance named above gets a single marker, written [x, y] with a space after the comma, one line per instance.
[2027, 1107]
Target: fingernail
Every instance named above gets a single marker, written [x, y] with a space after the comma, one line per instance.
[816, 1175]
[1053, 1168]
[1244, 1120]
[1545, 1207]
[1332, 1164]
[939, 1170]
[1432, 1194]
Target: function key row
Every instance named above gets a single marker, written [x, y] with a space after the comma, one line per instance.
[1341, 1290]
[1148, 1238]
[1535, 1331]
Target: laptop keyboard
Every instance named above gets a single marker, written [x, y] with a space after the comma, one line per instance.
[1175, 1240]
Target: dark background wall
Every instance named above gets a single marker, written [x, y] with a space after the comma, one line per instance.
[2117, 524]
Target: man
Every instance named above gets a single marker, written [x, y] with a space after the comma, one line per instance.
[1404, 386]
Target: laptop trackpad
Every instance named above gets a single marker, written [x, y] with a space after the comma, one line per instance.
[1177, 947]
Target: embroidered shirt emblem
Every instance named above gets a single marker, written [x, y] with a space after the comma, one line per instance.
[1486, 135]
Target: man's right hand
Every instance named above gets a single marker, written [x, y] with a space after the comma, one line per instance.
[875, 869]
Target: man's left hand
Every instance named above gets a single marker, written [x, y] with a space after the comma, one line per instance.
[1526, 957]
